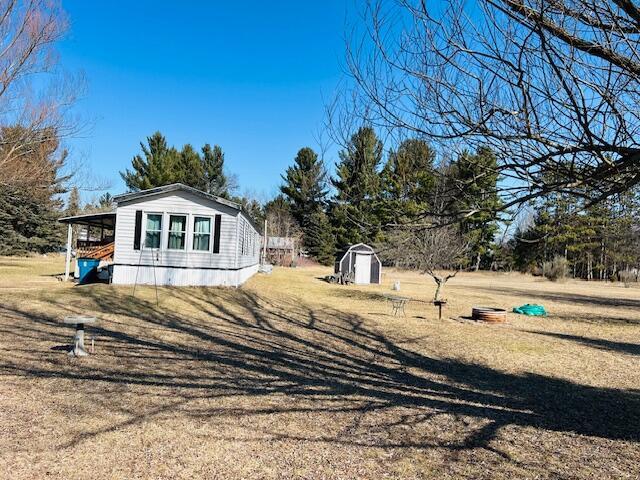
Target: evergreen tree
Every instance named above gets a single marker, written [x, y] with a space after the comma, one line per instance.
[28, 217]
[73, 203]
[305, 188]
[189, 168]
[156, 167]
[105, 202]
[408, 181]
[251, 207]
[161, 165]
[319, 239]
[476, 179]
[597, 241]
[355, 210]
[215, 181]
[304, 185]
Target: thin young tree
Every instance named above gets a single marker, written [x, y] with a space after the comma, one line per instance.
[437, 252]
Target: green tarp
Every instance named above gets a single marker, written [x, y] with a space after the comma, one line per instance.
[530, 309]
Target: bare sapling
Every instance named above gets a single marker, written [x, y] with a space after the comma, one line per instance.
[436, 252]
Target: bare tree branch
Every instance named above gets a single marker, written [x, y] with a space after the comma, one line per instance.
[551, 86]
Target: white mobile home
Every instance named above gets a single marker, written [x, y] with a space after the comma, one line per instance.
[178, 235]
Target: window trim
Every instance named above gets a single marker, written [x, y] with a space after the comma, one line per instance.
[145, 216]
[185, 231]
[211, 231]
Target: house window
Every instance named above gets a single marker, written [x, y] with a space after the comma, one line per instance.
[201, 233]
[153, 230]
[177, 232]
[243, 245]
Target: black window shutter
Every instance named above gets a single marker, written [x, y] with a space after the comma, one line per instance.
[137, 233]
[216, 234]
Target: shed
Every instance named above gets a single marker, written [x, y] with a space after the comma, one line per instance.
[361, 261]
[280, 251]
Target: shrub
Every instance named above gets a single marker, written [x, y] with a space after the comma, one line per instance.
[556, 269]
[535, 270]
[628, 277]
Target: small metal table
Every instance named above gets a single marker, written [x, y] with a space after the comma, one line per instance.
[77, 349]
[398, 304]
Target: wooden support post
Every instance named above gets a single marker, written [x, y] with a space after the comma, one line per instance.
[67, 263]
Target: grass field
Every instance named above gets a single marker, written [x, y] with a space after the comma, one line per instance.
[290, 377]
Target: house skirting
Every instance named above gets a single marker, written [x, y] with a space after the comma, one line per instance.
[181, 276]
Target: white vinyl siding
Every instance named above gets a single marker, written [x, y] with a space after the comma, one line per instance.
[148, 275]
[249, 243]
[189, 266]
[176, 203]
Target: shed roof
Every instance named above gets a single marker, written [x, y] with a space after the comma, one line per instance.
[341, 254]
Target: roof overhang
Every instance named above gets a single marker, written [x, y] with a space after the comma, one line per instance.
[125, 197]
[103, 219]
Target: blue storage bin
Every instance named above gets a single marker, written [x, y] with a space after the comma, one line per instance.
[87, 268]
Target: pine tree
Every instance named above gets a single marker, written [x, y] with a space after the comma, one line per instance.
[408, 181]
[216, 182]
[161, 165]
[318, 236]
[251, 207]
[189, 168]
[305, 188]
[28, 217]
[157, 167]
[598, 241]
[105, 202]
[476, 179]
[304, 185]
[355, 210]
[73, 203]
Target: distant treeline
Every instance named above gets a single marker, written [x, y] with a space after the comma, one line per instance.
[373, 197]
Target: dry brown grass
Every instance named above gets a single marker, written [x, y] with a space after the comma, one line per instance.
[290, 377]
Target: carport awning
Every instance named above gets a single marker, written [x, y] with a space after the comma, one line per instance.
[105, 219]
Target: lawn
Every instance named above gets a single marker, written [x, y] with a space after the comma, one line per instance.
[290, 377]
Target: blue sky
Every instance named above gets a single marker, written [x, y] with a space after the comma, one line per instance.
[250, 76]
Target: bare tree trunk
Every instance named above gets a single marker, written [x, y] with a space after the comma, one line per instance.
[441, 281]
[439, 287]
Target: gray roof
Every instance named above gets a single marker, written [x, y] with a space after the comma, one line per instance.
[124, 197]
[280, 243]
[106, 219]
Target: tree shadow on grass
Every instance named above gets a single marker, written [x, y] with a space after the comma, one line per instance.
[561, 297]
[317, 360]
[599, 343]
